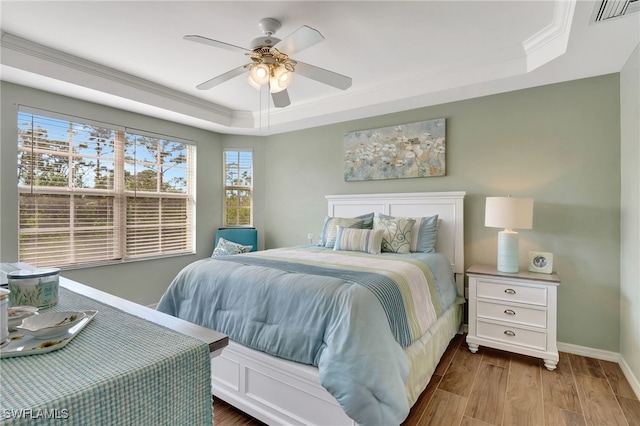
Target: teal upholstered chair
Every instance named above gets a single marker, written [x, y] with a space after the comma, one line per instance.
[244, 236]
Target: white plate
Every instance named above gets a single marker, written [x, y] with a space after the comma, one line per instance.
[21, 344]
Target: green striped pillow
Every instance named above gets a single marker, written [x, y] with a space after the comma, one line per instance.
[353, 239]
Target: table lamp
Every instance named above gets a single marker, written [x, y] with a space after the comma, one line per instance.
[508, 213]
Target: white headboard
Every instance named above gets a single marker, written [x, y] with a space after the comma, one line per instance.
[449, 206]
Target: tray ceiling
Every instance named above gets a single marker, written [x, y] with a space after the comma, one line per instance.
[400, 55]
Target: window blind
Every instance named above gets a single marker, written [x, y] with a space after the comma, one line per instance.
[91, 192]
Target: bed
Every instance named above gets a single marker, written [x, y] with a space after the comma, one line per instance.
[323, 335]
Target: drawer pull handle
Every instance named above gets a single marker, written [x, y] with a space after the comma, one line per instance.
[509, 333]
[510, 291]
[509, 312]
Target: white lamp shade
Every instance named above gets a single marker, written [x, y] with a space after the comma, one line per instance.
[509, 213]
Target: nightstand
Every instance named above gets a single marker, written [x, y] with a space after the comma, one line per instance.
[513, 312]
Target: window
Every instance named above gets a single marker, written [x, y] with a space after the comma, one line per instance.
[238, 187]
[92, 192]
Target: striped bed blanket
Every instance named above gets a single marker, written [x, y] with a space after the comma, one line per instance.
[348, 313]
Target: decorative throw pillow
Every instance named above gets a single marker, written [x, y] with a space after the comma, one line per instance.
[330, 229]
[423, 234]
[396, 237]
[226, 247]
[364, 240]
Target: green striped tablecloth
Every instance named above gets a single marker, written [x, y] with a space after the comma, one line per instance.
[119, 370]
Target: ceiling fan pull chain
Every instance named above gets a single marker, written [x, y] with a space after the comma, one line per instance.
[260, 102]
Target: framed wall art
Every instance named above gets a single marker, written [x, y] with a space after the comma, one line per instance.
[397, 152]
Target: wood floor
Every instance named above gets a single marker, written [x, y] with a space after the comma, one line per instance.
[494, 387]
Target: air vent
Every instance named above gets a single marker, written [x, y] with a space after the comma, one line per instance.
[609, 9]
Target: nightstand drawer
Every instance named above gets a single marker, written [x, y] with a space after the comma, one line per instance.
[512, 293]
[512, 335]
[513, 314]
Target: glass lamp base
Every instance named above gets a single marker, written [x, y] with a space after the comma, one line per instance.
[508, 251]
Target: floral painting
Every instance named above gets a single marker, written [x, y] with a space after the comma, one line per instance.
[405, 151]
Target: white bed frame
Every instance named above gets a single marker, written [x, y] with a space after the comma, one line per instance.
[277, 391]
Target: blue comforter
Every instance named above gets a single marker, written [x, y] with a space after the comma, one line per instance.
[281, 302]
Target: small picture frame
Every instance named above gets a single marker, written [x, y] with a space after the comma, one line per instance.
[541, 262]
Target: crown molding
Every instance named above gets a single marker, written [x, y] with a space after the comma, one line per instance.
[552, 41]
[35, 58]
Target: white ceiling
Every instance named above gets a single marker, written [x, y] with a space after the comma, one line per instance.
[400, 55]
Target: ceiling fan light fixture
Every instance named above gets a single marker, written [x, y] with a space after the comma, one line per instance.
[260, 74]
[280, 80]
[253, 83]
[270, 62]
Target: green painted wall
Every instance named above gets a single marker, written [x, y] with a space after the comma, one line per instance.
[559, 144]
[630, 217]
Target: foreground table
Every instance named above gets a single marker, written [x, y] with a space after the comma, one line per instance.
[129, 365]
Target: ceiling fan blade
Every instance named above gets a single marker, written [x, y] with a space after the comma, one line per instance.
[215, 43]
[221, 78]
[281, 99]
[323, 76]
[299, 40]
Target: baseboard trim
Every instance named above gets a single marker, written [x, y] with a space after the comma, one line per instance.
[633, 380]
[589, 352]
[605, 356]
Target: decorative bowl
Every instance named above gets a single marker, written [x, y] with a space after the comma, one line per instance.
[18, 313]
[50, 324]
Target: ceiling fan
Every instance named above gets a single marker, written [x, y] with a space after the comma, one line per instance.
[271, 62]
